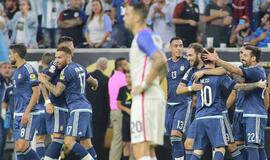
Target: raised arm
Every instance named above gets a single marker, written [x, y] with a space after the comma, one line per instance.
[250, 86]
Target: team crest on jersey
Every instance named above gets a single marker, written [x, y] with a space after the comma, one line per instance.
[32, 76]
[62, 76]
[52, 69]
[19, 76]
[182, 68]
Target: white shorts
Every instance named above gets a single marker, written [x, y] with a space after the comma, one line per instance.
[147, 120]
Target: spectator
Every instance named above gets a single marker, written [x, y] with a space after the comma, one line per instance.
[160, 17]
[99, 27]
[147, 3]
[71, 22]
[262, 33]
[50, 11]
[106, 4]
[3, 26]
[218, 19]
[120, 35]
[24, 26]
[116, 81]
[186, 18]
[11, 7]
[100, 105]
[242, 33]
[241, 8]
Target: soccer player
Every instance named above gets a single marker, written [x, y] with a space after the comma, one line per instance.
[72, 84]
[26, 94]
[148, 69]
[42, 128]
[254, 115]
[124, 100]
[56, 107]
[178, 111]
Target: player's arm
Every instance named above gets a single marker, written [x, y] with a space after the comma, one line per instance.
[93, 82]
[231, 99]
[250, 86]
[123, 108]
[266, 99]
[56, 90]
[183, 88]
[226, 65]
[34, 98]
[48, 104]
[215, 71]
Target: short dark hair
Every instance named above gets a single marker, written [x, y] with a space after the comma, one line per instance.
[64, 49]
[255, 51]
[65, 39]
[20, 49]
[140, 9]
[209, 49]
[267, 13]
[47, 58]
[174, 38]
[118, 61]
[198, 48]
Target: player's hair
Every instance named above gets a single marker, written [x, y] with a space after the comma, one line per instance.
[64, 49]
[64, 39]
[140, 9]
[118, 63]
[198, 48]
[20, 49]
[174, 38]
[46, 58]
[127, 71]
[28, 3]
[255, 51]
[209, 49]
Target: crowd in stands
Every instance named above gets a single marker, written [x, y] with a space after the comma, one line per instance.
[99, 23]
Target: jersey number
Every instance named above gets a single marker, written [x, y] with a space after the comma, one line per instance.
[173, 74]
[82, 81]
[206, 96]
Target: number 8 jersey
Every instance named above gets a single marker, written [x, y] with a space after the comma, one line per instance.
[211, 99]
[74, 76]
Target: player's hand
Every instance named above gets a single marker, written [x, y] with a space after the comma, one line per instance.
[196, 87]
[137, 90]
[192, 23]
[262, 84]
[197, 75]
[42, 77]
[210, 56]
[50, 108]
[25, 118]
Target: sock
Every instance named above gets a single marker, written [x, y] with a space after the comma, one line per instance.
[145, 158]
[177, 147]
[20, 156]
[262, 153]
[79, 151]
[29, 153]
[236, 155]
[40, 149]
[188, 154]
[92, 152]
[243, 150]
[125, 158]
[54, 149]
[253, 152]
[218, 155]
[195, 157]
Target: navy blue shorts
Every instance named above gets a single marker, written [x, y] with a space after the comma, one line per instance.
[210, 130]
[80, 124]
[41, 127]
[178, 117]
[192, 130]
[57, 122]
[237, 126]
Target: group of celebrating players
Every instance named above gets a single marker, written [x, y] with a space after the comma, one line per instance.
[200, 79]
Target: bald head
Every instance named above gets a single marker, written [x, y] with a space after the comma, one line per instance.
[102, 63]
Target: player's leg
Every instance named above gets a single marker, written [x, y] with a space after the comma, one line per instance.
[153, 153]
[262, 152]
[190, 140]
[56, 126]
[142, 151]
[87, 144]
[40, 137]
[25, 134]
[219, 153]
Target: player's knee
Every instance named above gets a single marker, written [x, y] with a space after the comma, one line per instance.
[141, 149]
[231, 147]
[220, 149]
[189, 143]
[176, 133]
[198, 152]
[86, 143]
[40, 139]
[57, 135]
[69, 142]
[21, 145]
[126, 144]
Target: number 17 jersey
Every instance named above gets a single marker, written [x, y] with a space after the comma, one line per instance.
[211, 99]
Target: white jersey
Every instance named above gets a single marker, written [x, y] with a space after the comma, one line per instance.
[144, 45]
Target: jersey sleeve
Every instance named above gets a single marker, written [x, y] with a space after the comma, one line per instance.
[251, 74]
[146, 43]
[52, 70]
[187, 76]
[227, 83]
[31, 76]
[65, 76]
